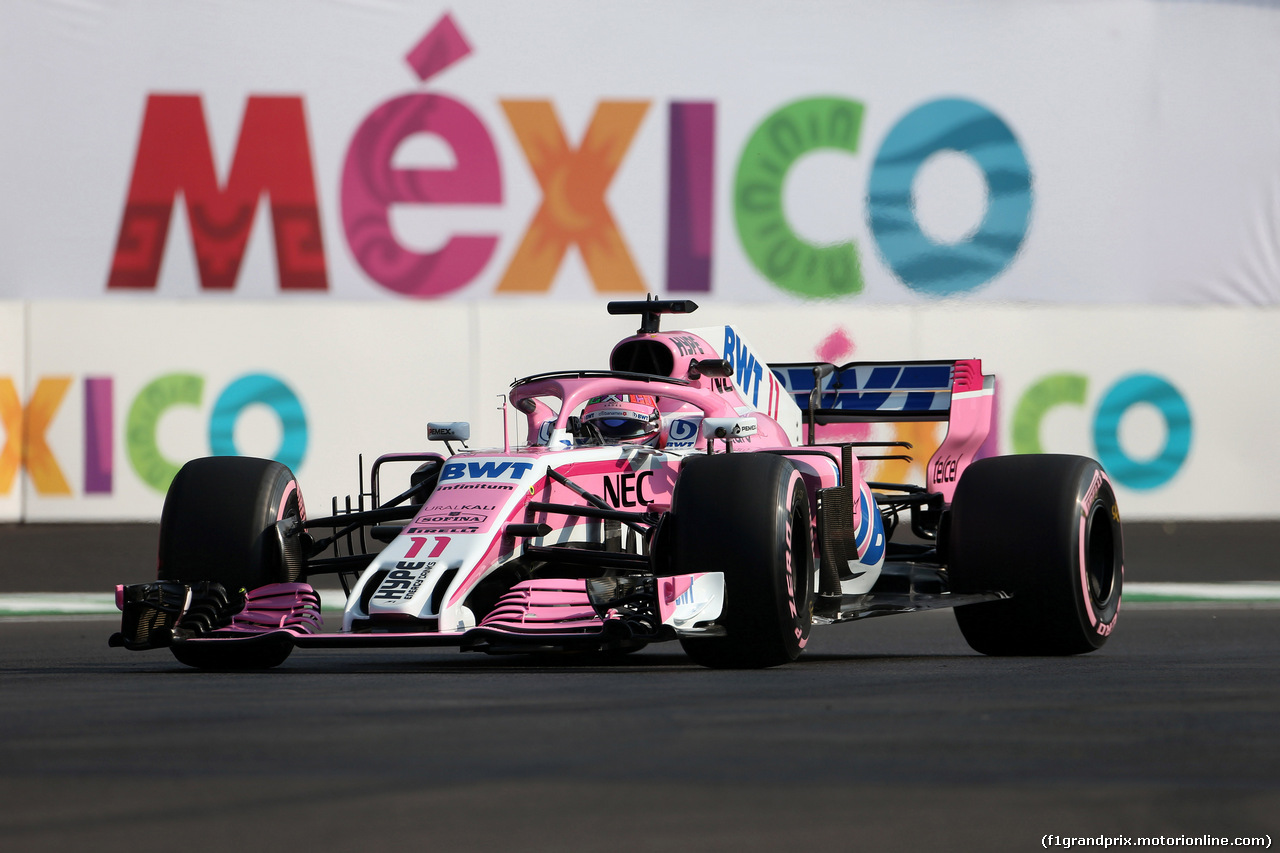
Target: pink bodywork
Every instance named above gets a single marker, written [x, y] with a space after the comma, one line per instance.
[969, 424]
[640, 482]
[574, 393]
[293, 606]
[562, 606]
[705, 395]
[558, 605]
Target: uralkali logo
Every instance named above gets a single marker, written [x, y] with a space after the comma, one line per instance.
[273, 157]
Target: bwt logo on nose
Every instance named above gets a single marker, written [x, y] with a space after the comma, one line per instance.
[487, 470]
[273, 157]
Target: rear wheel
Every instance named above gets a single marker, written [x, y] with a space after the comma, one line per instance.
[219, 524]
[1045, 529]
[747, 515]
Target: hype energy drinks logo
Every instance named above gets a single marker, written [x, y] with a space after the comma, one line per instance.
[574, 168]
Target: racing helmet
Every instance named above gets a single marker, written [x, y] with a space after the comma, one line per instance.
[630, 418]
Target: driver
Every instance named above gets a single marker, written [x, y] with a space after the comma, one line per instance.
[624, 418]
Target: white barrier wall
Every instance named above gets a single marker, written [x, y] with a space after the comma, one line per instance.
[302, 229]
[1178, 403]
[12, 392]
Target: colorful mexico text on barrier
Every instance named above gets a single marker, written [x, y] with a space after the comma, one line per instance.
[857, 152]
[115, 398]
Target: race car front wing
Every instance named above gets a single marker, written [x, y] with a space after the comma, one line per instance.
[548, 613]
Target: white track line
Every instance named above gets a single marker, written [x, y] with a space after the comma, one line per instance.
[1232, 591]
[100, 603]
[104, 603]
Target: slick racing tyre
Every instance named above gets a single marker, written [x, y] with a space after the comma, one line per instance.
[1046, 530]
[747, 515]
[218, 524]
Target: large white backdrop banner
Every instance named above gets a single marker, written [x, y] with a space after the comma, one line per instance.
[1112, 152]
[105, 401]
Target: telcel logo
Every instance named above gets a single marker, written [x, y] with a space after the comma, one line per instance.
[273, 158]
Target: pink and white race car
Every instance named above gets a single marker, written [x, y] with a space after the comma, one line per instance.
[686, 493]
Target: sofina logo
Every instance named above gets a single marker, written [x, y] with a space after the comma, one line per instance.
[26, 444]
[273, 158]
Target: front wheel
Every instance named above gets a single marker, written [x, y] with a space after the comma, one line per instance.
[747, 515]
[1046, 530]
[218, 524]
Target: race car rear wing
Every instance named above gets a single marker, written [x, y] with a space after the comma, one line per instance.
[868, 391]
[886, 392]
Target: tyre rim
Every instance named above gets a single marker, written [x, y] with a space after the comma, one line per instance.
[1100, 555]
[292, 509]
[800, 551]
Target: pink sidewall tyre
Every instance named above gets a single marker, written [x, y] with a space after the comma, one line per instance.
[1046, 530]
[218, 524]
[747, 515]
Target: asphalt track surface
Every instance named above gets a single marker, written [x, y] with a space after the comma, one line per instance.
[887, 734]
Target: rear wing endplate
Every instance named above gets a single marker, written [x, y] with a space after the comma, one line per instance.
[892, 392]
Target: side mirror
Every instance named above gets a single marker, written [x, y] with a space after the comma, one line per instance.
[455, 431]
[447, 432]
[710, 367]
[729, 427]
[728, 430]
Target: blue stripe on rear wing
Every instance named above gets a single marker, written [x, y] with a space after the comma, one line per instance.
[871, 391]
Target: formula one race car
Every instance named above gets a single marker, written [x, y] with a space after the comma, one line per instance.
[683, 494]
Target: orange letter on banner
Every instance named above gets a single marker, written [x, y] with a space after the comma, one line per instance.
[573, 185]
[11, 418]
[24, 435]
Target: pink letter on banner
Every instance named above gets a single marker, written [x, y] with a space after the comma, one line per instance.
[370, 186]
[439, 48]
[690, 196]
[97, 435]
